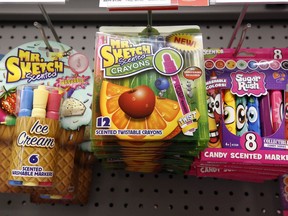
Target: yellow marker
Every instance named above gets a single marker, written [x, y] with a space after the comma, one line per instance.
[31, 184]
[40, 102]
[230, 111]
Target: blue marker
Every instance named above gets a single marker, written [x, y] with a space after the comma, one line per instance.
[15, 183]
[241, 119]
[26, 102]
[253, 115]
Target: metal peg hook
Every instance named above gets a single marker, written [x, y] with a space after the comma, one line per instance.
[238, 24]
[39, 26]
[242, 38]
[49, 23]
[149, 18]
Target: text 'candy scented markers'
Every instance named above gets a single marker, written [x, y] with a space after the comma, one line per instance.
[251, 93]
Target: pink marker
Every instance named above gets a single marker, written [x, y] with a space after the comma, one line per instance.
[277, 113]
[169, 64]
[53, 105]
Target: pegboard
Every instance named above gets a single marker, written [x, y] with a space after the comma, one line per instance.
[122, 193]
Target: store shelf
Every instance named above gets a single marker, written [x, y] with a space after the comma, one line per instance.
[75, 10]
[121, 193]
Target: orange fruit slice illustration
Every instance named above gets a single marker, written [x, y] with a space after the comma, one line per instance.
[163, 118]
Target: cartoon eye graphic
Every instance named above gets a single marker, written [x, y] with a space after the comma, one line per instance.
[210, 103]
[281, 110]
[217, 104]
[252, 114]
[229, 115]
[286, 111]
[241, 116]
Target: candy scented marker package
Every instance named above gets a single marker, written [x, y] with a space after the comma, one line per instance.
[42, 74]
[150, 88]
[251, 89]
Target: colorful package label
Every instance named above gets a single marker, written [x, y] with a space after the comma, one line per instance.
[33, 64]
[34, 151]
[246, 97]
[149, 88]
[244, 156]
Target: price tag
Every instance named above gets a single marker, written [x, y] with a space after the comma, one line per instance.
[193, 3]
[134, 3]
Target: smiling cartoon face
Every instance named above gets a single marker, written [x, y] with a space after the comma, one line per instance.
[214, 106]
[229, 111]
[214, 114]
[253, 116]
[241, 121]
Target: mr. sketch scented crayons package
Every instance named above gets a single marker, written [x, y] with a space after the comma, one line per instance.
[150, 88]
[149, 97]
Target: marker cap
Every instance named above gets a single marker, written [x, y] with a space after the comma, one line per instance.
[53, 105]
[40, 102]
[10, 120]
[26, 102]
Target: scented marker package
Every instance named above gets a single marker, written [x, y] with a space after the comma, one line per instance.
[150, 88]
[247, 91]
[35, 142]
[31, 65]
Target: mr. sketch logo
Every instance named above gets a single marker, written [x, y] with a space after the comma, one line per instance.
[248, 83]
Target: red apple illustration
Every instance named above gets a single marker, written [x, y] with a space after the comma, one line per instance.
[138, 102]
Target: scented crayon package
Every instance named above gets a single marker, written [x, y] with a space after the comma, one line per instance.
[150, 88]
[246, 94]
[45, 98]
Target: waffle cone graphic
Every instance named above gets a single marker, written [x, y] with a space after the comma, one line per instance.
[71, 137]
[80, 185]
[85, 170]
[6, 133]
[64, 171]
[34, 150]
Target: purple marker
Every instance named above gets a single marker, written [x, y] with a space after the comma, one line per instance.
[70, 92]
[277, 109]
[266, 125]
[169, 64]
